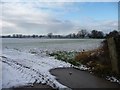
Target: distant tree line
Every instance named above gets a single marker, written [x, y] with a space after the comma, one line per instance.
[81, 34]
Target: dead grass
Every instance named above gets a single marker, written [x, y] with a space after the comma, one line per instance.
[97, 60]
[86, 56]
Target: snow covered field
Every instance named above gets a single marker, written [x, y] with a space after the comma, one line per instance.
[25, 61]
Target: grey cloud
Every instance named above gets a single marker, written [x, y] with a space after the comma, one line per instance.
[58, 27]
[29, 20]
[53, 25]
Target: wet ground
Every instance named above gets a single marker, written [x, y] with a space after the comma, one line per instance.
[74, 78]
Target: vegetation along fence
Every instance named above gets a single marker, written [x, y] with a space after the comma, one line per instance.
[114, 50]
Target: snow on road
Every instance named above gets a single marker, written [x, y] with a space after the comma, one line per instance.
[21, 68]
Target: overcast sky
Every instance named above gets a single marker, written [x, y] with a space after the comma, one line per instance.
[36, 17]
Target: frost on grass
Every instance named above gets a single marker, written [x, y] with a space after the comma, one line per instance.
[26, 61]
[21, 68]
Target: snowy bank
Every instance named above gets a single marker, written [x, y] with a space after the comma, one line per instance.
[21, 68]
[25, 60]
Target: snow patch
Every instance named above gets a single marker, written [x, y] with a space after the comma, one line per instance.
[21, 68]
[112, 79]
[81, 67]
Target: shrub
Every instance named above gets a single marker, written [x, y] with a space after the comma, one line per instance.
[66, 56]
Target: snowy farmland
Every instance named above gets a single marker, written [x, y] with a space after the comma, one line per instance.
[25, 61]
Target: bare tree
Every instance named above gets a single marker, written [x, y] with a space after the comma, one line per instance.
[83, 33]
[50, 35]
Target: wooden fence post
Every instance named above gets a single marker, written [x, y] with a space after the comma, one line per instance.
[113, 54]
